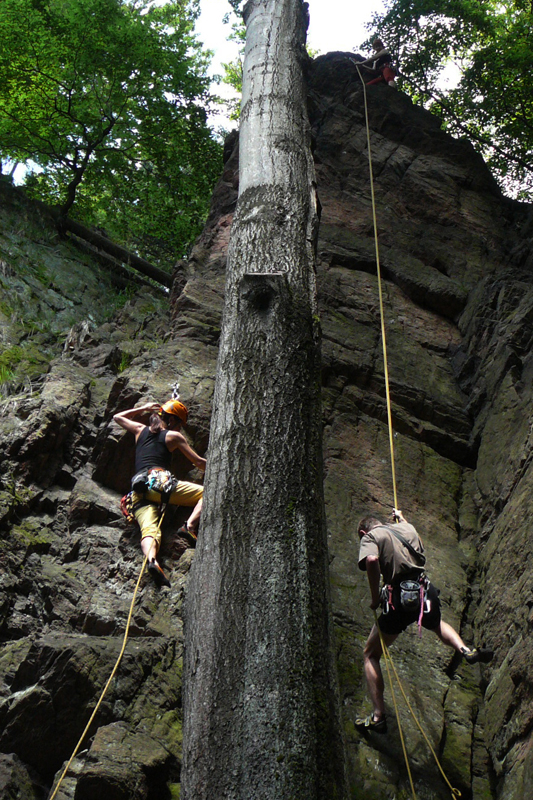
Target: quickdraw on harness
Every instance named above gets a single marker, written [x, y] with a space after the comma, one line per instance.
[127, 506]
[162, 481]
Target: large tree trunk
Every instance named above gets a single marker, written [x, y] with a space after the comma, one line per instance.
[260, 700]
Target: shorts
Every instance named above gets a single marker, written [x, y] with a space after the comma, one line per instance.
[388, 73]
[397, 620]
[148, 513]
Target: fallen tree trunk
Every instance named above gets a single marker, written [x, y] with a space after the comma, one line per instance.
[118, 252]
[120, 275]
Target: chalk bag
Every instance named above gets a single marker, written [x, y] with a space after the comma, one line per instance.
[410, 595]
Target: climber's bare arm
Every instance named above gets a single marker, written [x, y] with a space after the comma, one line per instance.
[177, 441]
[126, 419]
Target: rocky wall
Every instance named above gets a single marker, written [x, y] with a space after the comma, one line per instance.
[456, 263]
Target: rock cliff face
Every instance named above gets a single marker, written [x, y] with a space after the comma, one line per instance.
[458, 290]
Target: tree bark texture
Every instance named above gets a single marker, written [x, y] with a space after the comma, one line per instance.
[261, 711]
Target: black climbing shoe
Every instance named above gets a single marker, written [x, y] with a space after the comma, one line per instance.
[474, 655]
[188, 535]
[157, 574]
[370, 724]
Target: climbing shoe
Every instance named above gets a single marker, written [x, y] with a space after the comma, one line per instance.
[370, 724]
[157, 574]
[188, 535]
[475, 655]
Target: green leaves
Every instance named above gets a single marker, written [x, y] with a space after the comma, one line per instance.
[492, 43]
[108, 97]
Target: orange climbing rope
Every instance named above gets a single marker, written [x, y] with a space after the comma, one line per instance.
[386, 654]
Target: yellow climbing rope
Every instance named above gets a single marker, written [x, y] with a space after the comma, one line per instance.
[113, 672]
[82, 737]
[388, 661]
[388, 666]
[381, 311]
[386, 654]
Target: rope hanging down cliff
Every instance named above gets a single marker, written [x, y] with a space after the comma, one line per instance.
[381, 308]
[386, 653]
[113, 672]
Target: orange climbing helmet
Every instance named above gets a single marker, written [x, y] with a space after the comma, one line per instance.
[177, 409]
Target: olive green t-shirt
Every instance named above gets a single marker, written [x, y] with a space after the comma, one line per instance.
[395, 559]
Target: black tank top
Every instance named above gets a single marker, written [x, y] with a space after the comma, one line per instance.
[382, 60]
[151, 451]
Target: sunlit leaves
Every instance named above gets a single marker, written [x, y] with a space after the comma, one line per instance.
[109, 97]
[492, 43]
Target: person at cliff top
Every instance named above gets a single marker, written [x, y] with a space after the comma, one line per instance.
[153, 482]
[396, 553]
[381, 62]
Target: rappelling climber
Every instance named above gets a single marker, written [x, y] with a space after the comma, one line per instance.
[396, 553]
[380, 61]
[153, 484]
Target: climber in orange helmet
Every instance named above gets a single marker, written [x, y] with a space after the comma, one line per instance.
[153, 483]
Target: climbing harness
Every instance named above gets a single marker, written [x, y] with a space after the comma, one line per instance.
[148, 480]
[154, 480]
[413, 598]
[420, 599]
[139, 482]
[113, 672]
[162, 481]
[378, 69]
[412, 592]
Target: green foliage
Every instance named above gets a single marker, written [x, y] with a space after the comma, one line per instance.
[233, 69]
[491, 43]
[233, 77]
[42, 275]
[6, 374]
[30, 534]
[20, 364]
[123, 296]
[125, 361]
[108, 98]
[12, 356]
[237, 6]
